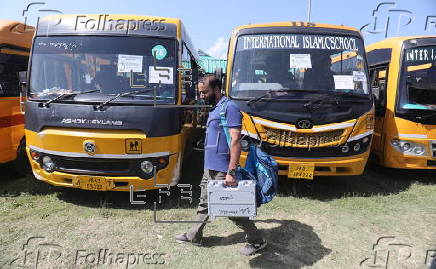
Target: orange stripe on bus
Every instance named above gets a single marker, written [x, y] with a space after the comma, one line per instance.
[12, 120]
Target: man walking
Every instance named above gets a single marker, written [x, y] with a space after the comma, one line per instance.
[220, 163]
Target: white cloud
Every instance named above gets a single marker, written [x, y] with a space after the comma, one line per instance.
[219, 49]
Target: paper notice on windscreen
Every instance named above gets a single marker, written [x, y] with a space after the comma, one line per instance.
[344, 82]
[300, 61]
[127, 63]
[160, 73]
[359, 76]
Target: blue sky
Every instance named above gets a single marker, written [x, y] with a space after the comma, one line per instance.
[211, 22]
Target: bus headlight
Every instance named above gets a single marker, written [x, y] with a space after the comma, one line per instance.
[35, 155]
[147, 167]
[48, 164]
[356, 147]
[419, 150]
[409, 147]
[406, 147]
[345, 149]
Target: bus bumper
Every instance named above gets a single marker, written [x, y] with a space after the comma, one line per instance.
[166, 176]
[349, 166]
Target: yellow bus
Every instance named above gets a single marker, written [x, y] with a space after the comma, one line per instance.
[304, 92]
[403, 79]
[15, 42]
[105, 101]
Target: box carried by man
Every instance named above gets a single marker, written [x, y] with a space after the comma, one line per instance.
[238, 201]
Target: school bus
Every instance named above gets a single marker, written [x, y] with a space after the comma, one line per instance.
[15, 42]
[105, 101]
[403, 80]
[303, 90]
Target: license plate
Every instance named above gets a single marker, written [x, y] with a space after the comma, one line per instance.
[301, 171]
[90, 183]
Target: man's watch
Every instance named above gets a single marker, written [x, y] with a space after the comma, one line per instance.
[231, 172]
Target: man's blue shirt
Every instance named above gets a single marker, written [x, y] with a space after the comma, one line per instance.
[217, 153]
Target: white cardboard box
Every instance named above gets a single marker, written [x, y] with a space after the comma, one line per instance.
[238, 201]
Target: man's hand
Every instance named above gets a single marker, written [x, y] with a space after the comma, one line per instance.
[230, 181]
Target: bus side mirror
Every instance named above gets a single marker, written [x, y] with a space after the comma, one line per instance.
[219, 73]
[191, 90]
[22, 77]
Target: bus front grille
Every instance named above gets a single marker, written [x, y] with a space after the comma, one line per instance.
[95, 166]
[292, 139]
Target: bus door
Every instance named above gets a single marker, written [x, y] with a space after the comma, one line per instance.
[379, 82]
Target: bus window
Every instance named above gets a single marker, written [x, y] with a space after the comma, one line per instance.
[10, 66]
[418, 80]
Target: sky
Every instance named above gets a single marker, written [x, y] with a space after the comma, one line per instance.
[210, 23]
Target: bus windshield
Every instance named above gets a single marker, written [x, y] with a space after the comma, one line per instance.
[303, 63]
[108, 64]
[417, 89]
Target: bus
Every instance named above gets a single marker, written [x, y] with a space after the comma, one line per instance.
[403, 81]
[303, 90]
[108, 101]
[15, 43]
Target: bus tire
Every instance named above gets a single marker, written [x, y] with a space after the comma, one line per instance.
[21, 165]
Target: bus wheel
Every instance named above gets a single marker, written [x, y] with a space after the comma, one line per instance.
[21, 164]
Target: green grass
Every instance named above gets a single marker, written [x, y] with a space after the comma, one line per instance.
[329, 223]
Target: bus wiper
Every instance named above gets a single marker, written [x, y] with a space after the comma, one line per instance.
[427, 116]
[64, 95]
[101, 105]
[331, 96]
[269, 92]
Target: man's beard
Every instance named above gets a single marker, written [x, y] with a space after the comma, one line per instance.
[210, 99]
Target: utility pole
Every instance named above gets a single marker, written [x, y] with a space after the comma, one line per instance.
[309, 10]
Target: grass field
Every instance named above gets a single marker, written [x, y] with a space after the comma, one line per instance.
[331, 222]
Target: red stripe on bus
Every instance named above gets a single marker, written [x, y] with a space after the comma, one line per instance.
[12, 120]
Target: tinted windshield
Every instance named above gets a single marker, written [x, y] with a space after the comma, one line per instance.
[298, 61]
[417, 89]
[110, 65]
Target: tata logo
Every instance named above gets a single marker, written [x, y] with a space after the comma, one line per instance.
[89, 147]
[304, 124]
